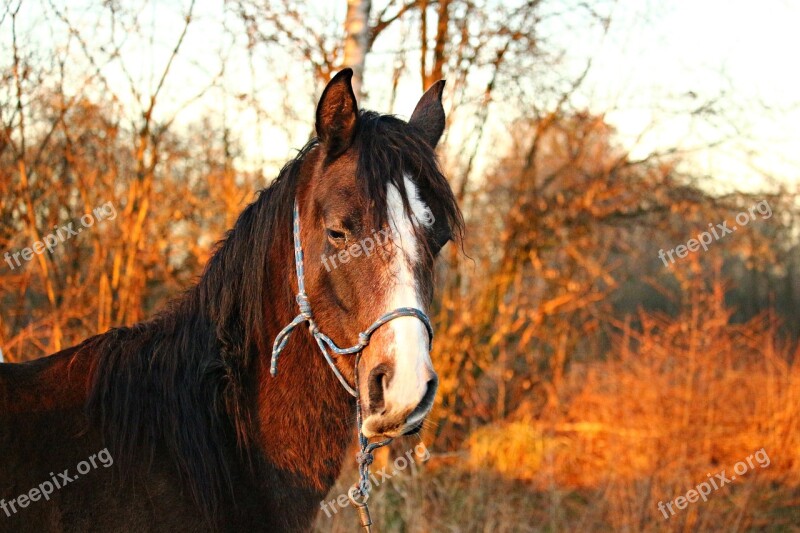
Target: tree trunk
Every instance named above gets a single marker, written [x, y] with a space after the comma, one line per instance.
[356, 45]
[435, 72]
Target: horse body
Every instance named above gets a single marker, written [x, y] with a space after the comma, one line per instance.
[174, 424]
[46, 432]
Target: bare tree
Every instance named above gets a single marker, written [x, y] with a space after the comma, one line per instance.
[357, 43]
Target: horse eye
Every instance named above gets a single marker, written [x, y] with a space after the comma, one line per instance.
[336, 237]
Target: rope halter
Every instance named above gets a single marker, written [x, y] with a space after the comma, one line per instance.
[359, 493]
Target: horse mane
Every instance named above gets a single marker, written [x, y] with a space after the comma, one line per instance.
[182, 383]
[386, 143]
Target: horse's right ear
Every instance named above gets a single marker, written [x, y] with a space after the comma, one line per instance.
[337, 113]
[428, 117]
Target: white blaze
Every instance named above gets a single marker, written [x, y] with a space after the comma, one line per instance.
[413, 366]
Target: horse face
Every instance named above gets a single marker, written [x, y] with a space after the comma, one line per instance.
[361, 264]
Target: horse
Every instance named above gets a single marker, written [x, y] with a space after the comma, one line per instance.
[175, 423]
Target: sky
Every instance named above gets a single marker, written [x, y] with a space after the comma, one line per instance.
[660, 57]
[656, 60]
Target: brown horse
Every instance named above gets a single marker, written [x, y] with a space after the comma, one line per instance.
[199, 435]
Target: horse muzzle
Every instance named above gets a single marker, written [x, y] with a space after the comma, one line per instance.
[394, 410]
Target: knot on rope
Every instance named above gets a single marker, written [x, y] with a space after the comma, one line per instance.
[304, 305]
[363, 339]
[364, 458]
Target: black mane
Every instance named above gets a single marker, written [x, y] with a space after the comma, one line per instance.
[182, 383]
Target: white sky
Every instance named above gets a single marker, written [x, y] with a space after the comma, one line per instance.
[657, 60]
[658, 53]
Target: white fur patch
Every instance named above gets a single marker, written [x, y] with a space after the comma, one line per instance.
[413, 366]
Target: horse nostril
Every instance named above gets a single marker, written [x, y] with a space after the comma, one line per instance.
[430, 392]
[379, 379]
[426, 403]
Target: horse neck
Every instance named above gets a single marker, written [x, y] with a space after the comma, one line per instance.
[306, 419]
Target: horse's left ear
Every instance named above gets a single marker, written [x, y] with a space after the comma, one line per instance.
[428, 116]
[337, 113]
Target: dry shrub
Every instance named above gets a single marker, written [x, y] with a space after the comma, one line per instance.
[678, 399]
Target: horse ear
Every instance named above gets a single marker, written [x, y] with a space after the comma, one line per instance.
[337, 112]
[428, 116]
